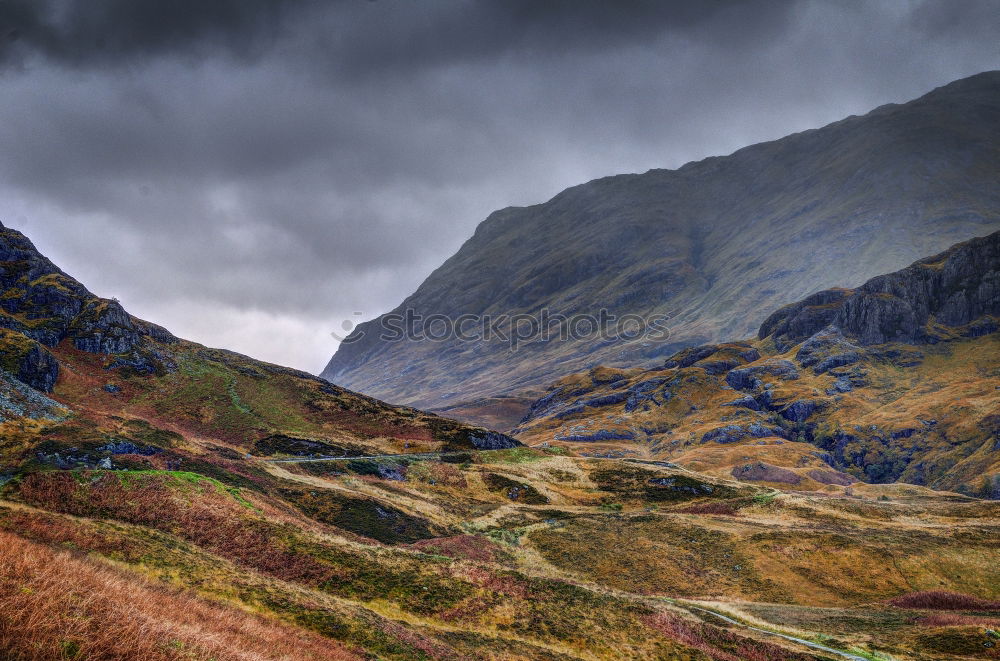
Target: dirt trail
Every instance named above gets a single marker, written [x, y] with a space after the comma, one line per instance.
[807, 643]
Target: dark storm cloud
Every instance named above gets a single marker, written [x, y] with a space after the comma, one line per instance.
[358, 35]
[99, 31]
[249, 173]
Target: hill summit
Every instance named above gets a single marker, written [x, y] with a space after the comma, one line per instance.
[80, 377]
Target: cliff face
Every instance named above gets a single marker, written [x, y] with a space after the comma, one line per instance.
[715, 245]
[41, 306]
[894, 381]
[917, 305]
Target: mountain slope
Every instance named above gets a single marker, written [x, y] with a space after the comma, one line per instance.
[161, 500]
[713, 244]
[99, 414]
[896, 380]
[112, 379]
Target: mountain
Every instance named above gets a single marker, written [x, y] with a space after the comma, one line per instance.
[714, 244]
[161, 501]
[108, 377]
[893, 381]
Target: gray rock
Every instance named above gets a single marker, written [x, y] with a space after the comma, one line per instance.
[128, 447]
[800, 410]
[958, 288]
[841, 385]
[837, 360]
[749, 378]
[39, 369]
[492, 440]
[644, 392]
[746, 402]
[599, 435]
[736, 433]
[727, 434]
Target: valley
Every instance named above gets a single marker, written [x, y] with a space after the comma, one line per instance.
[808, 470]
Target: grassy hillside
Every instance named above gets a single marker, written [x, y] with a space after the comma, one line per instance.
[162, 500]
[508, 554]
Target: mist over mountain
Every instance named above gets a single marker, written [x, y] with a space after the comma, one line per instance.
[716, 245]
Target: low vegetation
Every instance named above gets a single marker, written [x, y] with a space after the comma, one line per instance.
[57, 606]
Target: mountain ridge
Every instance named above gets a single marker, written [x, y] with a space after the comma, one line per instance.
[711, 243]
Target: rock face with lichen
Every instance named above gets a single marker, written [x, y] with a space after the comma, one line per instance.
[41, 306]
[957, 290]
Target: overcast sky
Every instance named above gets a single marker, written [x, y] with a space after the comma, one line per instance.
[249, 173]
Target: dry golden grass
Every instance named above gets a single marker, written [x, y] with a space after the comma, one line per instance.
[57, 606]
[930, 422]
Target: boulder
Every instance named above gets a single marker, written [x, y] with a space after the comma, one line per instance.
[746, 402]
[800, 410]
[485, 439]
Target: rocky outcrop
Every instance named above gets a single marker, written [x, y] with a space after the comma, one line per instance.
[597, 435]
[957, 288]
[826, 350]
[562, 403]
[751, 378]
[644, 394]
[39, 369]
[27, 360]
[763, 472]
[104, 327]
[746, 402]
[486, 439]
[714, 358]
[44, 306]
[801, 410]
[18, 400]
[737, 433]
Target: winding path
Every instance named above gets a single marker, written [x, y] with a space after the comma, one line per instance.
[807, 643]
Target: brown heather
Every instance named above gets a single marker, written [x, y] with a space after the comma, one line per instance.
[942, 600]
[55, 606]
